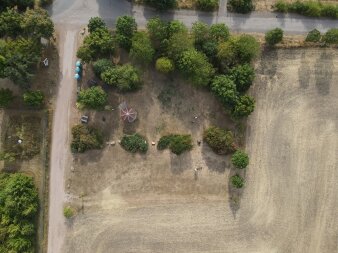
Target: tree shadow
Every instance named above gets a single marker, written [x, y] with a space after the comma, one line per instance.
[323, 71]
[214, 162]
[304, 72]
[180, 163]
[235, 194]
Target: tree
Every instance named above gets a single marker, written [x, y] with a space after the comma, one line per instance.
[134, 143]
[158, 32]
[200, 32]
[125, 77]
[125, 28]
[195, 65]
[274, 36]
[178, 43]
[10, 23]
[96, 23]
[164, 65]
[141, 48]
[313, 36]
[244, 106]
[219, 32]
[176, 26]
[93, 98]
[240, 159]
[225, 89]
[331, 36]
[101, 66]
[6, 96]
[162, 4]
[220, 141]
[237, 181]
[33, 98]
[243, 76]
[37, 23]
[85, 138]
[21, 4]
[177, 143]
[207, 5]
[241, 6]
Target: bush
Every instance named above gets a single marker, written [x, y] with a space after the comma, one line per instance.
[274, 36]
[158, 32]
[96, 23]
[33, 98]
[237, 181]
[330, 11]
[93, 98]
[68, 212]
[281, 6]
[6, 96]
[240, 159]
[176, 143]
[225, 89]
[161, 4]
[219, 32]
[331, 36]
[125, 77]
[241, 6]
[219, 140]
[141, 48]
[313, 36]
[134, 143]
[243, 76]
[207, 5]
[125, 28]
[244, 106]
[85, 138]
[101, 66]
[164, 65]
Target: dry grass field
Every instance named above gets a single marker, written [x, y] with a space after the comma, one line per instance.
[156, 203]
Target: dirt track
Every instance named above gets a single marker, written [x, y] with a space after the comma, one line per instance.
[139, 204]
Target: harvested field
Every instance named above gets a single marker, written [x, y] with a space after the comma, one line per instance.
[156, 203]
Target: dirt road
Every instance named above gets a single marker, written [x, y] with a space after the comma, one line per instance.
[60, 142]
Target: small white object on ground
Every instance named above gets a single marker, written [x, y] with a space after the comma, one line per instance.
[153, 143]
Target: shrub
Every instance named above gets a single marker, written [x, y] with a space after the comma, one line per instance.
[200, 32]
[176, 143]
[219, 32]
[274, 36]
[243, 76]
[158, 32]
[244, 106]
[6, 96]
[85, 138]
[68, 212]
[33, 98]
[237, 181]
[125, 28]
[177, 44]
[241, 6]
[125, 77]
[313, 36]
[281, 6]
[207, 5]
[96, 23]
[225, 89]
[101, 66]
[93, 98]
[219, 140]
[331, 36]
[134, 143]
[141, 48]
[330, 11]
[240, 159]
[161, 4]
[164, 65]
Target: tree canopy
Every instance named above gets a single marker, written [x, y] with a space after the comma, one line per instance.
[125, 28]
[141, 49]
[93, 98]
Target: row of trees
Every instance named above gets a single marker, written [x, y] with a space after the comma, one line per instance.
[205, 5]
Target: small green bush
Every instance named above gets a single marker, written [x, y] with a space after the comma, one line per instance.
[240, 159]
[85, 138]
[331, 36]
[274, 36]
[68, 212]
[6, 97]
[313, 36]
[176, 143]
[164, 65]
[33, 98]
[221, 141]
[241, 6]
[207, 5]
[134, 143]
[101, 66]
[237, 181]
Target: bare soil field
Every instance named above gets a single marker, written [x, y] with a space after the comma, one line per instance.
[156, 203]
[267, 5]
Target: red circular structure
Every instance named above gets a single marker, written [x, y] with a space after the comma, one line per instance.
[126, 113]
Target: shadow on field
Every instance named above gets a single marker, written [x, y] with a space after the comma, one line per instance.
[304, 72]
[323, 71]
[180, 163]
[217, 163]
[235, 194]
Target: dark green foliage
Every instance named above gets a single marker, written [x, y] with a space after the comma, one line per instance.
[196, 67]
[219, 32]
[308, 8]
[96, 23]
[240, 159]
[36, 23]
[93, 98]
[207, 5]
[10, 23]
[164, 65]
[178, 43]
[125, 28]
[33, 98]
[125, 77]
[244, 106]
[237, 181]
[274, 36]
[161, 4]
[158, 33]
[225, 89]
[200, 32]
[313, 36]
[141, 48]
[331, 36]
[219, 140]
[85, 138]
[176, 26]
[176, 143]
[134, 143]
[241, 6]
[101, 66]
[22, 4]
[6, 97]
[243, 76]
[18, 209]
